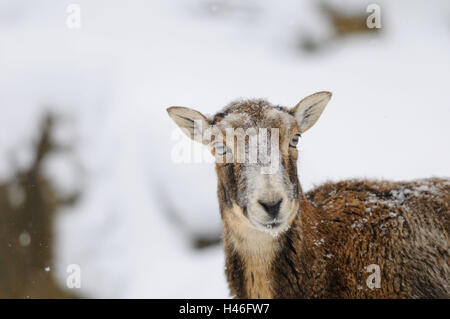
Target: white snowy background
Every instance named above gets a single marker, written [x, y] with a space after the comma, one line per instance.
[111, 81]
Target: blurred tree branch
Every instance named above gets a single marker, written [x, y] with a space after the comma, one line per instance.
[28, 204]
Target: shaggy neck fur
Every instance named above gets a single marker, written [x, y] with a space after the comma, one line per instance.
[260, 265]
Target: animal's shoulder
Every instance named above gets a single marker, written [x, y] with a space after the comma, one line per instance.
[363, 222]
[369, 201]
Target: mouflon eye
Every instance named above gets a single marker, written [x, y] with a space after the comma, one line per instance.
[220, 148]
[294, 140]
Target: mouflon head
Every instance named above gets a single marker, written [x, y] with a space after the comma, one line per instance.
[255, 148]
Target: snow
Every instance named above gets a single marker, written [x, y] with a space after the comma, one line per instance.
[111, 80]
[24, 239]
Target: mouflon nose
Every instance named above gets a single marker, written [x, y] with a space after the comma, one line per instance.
[272, 208]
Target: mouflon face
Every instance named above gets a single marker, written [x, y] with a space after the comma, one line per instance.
[255, 147]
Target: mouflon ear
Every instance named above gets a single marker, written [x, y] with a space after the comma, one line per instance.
[191, 122]
[308, 110]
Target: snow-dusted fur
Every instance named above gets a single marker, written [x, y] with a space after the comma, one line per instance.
[341, 229]
[352, 239]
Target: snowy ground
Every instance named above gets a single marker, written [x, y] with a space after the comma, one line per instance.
[112, 79]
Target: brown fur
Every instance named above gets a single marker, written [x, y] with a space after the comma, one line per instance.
[342, 228]
[336, 230]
